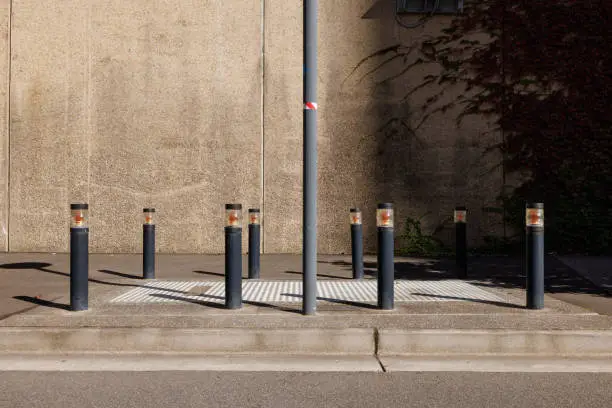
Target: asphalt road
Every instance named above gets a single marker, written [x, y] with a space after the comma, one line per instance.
[287, 390]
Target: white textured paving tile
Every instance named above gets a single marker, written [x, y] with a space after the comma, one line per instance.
[291, 291]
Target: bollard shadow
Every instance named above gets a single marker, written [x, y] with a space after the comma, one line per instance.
[430, 270]
[188, 300]
[338, 301]
[348, 302]
[44, 267]
[25, 265]
[217, 305]
[458, 298]
[271, 306]
[123, 275]
[210, 273]
[321, 275]
[336, 263]
[259, 304]
[42, 302]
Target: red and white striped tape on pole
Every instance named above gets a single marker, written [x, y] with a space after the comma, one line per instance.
[310, 106]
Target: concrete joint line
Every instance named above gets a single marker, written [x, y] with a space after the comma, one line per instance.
[376, 344]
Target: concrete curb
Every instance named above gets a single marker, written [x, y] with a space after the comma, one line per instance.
[290, 341]
[495, 342]
[381, 342]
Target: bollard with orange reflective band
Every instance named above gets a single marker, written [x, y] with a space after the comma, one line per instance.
[79, 257]
[233, 256]
[254, 242]
[356, 243]
[148, 244]
[534, 229]
[386, 267]
[460, 217]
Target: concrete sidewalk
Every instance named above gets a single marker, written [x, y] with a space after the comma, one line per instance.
[29, 279]
[37, 319]
[46, 276]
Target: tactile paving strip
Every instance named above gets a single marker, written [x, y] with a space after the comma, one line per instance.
[291, 291]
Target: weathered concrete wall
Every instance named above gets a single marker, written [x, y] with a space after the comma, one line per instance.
[173, 105]
[133, 104]
[5, 13]
[370, 149]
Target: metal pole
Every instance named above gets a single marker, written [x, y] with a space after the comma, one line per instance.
[233, 257]
[148, 245]
[386, 268]
[254, 243]
[79, 258]
[535, 255]
[357, 243]
[461, 241]
[309, 256]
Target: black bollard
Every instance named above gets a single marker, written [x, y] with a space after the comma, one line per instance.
[534, 222]
[254, 243]
[386, 269]
[461, 241]
[79, 257]
[357, 243]
[148, 244]
[233, 256]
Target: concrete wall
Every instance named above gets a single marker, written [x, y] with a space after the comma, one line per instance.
[133, 104]
[5, 33]
[185, 106]
[370, 149]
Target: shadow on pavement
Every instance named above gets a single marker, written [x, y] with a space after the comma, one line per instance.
[418, 270]
[221, 305]
[336, 263]
[194, 301]
[123, 275]
[42, 302]
[484, 271]
[509, 273]
[43, 267]
[321, 275]
[210, 273]
[25, 265]
[488, 302]
[490, 271]
[338, 301]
